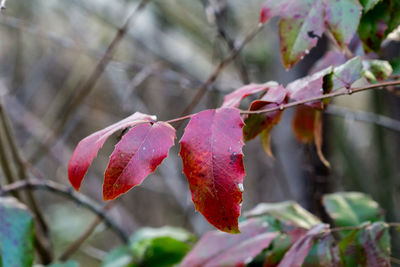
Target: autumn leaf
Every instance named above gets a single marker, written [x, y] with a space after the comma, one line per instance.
[263, 123]
[304, 123]
[302, 23]
[88, 148]
[211, 150]
[221, 249]
[137, 155]
[233, 99]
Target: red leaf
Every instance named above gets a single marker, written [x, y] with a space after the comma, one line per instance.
[221, 249]
[304, 123]
[307, 126]
[299, 250]
[88, 147]
[137, 155]
[257, 123]
[211, 150]
[233, 99]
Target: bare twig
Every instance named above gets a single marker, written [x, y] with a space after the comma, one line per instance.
[214, 75]
[218, 13]
[67, 192]
[358, 227]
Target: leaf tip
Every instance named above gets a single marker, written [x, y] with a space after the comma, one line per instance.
[265, 14]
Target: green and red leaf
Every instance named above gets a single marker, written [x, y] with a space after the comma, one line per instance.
[300, 249]
[211, 150]
[88, 147]
[137, 155]
[302, 23]
[342, 19]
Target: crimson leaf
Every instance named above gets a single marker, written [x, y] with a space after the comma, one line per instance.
[137, 155]
[211, 150]
[88, 148]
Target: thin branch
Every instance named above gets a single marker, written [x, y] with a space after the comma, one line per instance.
[358, 227]
[214, 75]
[218, 13]
[364, 116]
[308, 100]
[67, 192]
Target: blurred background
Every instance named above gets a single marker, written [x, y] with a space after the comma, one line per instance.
[48, 49]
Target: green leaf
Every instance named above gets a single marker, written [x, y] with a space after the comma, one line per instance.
[164, 246]
[286, 212]
[376, 24]
[16, 234]
[352, 208]
[368, 4]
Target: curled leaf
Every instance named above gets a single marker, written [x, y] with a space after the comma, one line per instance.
[233, 99]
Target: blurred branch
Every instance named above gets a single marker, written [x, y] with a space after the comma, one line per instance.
[214, 75]
[7, 139]
[363, 116]
[218, 12]
[84, 90]
[69, 193]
